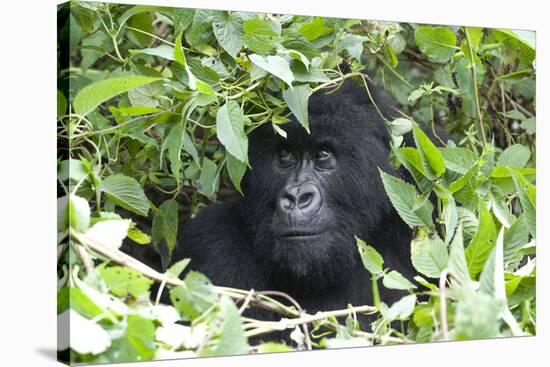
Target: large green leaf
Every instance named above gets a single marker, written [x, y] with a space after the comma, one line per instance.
[229, 32]
[96, 93]
[483, 242]
[165, 224]
[297, 100]
[136, 344]
[236, 170]
[123, 281]
[439, 43]
[372, 260]
[275, 65]
[197, 296]
[516, 155]
[259, 35]
[527, 197]
[126, 192]
[431, 158]
[429, 254]
[230, 130]
[404, 199]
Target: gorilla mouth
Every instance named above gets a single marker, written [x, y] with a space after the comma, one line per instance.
[299, 235]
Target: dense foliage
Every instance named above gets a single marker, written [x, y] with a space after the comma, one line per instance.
[154, 108]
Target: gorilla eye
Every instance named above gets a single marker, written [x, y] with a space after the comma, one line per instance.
[323, 155]
[285, 156]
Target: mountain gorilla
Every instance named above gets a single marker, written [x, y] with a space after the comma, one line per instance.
[305, 198]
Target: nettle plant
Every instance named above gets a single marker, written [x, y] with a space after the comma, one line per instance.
[161, 100]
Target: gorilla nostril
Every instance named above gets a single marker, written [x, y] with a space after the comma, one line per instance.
[305, 199]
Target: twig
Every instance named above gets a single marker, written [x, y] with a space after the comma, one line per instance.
[443, 301]
[246, 301]
[86, 260]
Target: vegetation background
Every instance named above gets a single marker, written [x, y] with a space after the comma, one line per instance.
[154, 108]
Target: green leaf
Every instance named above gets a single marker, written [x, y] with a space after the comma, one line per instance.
[297, 100]
[138, 236]
[78, 213]
[315, 29]
[208, 179]
[126, 192]
[228, 30]
[459, 160]
[483, 242]
[96, 93]
[164, 51]
[431, 157]
[527, 198]
[394, 280]
[165, 224]
[197, 296]
[109, 233]
[403, 198]
[61, 104]
[457, 259]
[515, 238]
[275, 65]
[429, 254]
[401, 309]
[201, 27]
[174, 141]
[372, 260]
[491, 280]
[512, 40]
[259, 35]
[410, 159]
[123, 281]
[176, 269]
[236, 170]
[86, 336]
[272, 347]
[82, 304]
[232, 339]
[182, 19]
[136, 344]
[476, 316]
[516, 155]
[439, 43]
[230, 130]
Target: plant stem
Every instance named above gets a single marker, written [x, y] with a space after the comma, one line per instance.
[474, 79]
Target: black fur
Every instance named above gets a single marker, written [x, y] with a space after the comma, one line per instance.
[237, 243]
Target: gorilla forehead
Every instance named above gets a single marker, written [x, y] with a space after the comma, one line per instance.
[340, 117]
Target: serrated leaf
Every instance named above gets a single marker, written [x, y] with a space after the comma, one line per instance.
[136, 344]
[297, 100]
[96, 93]
[431, 158]
[275, 65]
[236, 170]
[372, 260]
[429, 254]
[126, 192]
[230, 130]
[401, 309]
[483, 242]
[165, 225]
[439, 43]
[491, 280]
[403, 198]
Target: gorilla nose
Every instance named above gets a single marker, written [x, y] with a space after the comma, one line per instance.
[304, 198]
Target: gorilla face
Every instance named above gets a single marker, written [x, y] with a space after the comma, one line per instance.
[308, 195]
